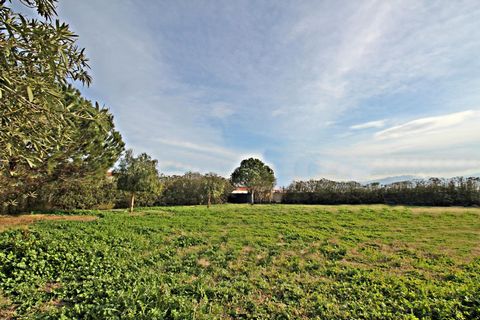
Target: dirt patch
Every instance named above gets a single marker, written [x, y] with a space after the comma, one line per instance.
[247, 249]
[51, 305]
[7, 310]
[21, 221]
[51, 286]
[202, 262]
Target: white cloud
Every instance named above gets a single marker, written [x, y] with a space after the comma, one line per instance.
[369, 125]
[426, 125]
[174, 167]
[446, 145]
[203, 148]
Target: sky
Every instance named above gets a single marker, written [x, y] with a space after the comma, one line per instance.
[345, 90]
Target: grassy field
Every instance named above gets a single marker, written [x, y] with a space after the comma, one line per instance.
[246, 262]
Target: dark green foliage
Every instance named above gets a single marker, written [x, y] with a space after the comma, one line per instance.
[79, 162]
[433, 192]
[86, 194]
[256, 176]
[142, 199]
[194, 188]
[234, 261]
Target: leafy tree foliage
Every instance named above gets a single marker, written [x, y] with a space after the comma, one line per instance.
[94, 145]
[142, 199]
[137, 174]
[78, 194]
[194, 188]
[37, 59]
[51, 138]
[215, 188]
[432, 192]
[255, 175]
[83, 159]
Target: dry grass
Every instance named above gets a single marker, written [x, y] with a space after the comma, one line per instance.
[51, 286]
[50, 305]
[202, 262]
[413, 209]
[136, 214]
[443, 210]
[22, 221]
[7, 310]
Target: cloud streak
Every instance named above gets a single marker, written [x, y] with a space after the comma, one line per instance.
[445, 145]
[426, 125]
[369, 125]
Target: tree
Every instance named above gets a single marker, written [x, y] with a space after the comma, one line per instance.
[255, 175]
[137, 174]
[37, 60]
[215, 186]
[49, 134]
[92, 148]
[194, 188]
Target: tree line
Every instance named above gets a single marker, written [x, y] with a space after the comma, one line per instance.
[457, 191]
[137, 181]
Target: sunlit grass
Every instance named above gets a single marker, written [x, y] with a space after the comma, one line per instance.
[242, 261]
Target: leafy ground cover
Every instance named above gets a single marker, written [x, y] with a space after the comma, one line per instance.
[246, 262]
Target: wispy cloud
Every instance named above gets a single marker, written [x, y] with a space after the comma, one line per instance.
[213, 150]
[445, 145]
[369, 125]
[426, 125]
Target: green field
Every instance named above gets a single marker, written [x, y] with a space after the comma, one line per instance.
[247, 262]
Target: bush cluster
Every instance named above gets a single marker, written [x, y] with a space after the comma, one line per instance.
[458, 191]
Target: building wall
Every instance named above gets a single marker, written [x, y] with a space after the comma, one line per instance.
[240, 198]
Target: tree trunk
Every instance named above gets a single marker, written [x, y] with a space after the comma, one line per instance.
[252, 200]
[209, 200]
[132, 201]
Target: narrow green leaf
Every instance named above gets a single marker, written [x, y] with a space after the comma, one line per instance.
[30, 94]
[30, 163]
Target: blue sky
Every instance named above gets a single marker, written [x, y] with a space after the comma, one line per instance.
[336, 89]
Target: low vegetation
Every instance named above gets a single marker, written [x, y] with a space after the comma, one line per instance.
[241, 261]
[459, 191]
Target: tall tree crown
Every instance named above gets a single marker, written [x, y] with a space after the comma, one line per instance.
[137, 174]
[254, 174]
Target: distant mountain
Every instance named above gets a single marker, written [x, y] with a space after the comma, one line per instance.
[388, 180]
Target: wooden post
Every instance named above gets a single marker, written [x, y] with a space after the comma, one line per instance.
[132, 201]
